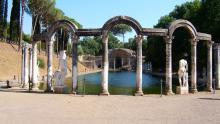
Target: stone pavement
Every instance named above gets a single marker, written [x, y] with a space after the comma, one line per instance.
[39, 108]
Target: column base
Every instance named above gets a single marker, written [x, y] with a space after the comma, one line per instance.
[74, 92]
[35, 87]
[210, 89]
[194, 91]
[48, 91]
[139, 93]
[169, 93]
[104, 93]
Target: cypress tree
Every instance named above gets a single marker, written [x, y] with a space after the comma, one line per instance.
[5, 19]
[1, 16]
[15, 20]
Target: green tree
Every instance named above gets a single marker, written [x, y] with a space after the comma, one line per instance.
[120, 30]
[211, 18]
[5, 19]
[1, 16]
[15, 20]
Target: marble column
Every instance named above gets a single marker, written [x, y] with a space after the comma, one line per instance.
[168, 90]
[122, 62]
[26, 65]
[139, 70]
[34, 64]
[209, 66]
[49, 65]
[217, 65]
[114, 64]
[74, 64]
[105, 64]
[22, 65]
[129, 62]
[193, 66]
[30, 64]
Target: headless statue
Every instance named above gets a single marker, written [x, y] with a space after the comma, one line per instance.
[62, 69]
[183, 73]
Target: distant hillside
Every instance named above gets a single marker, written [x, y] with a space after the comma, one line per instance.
[10, 62]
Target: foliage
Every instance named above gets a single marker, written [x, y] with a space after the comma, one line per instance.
[73, 21]
[120, 30]
[181, 46]
[5, 23]
[210, 16]
[93, 45]
[3, 18]
[15, 20]
[41, 63]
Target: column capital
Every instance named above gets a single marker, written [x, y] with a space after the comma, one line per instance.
[209, 44]
[105, 36]
[217, 46]
[168, 39]
[139, 38]
[75, 39]
[193, 41]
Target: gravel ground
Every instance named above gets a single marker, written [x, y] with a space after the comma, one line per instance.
[39, 108]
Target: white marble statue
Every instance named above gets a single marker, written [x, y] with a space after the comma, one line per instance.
[183, 73]
[37, 71]
[62, 69]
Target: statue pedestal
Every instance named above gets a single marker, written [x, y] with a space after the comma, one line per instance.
[60, 89]
[182, 90]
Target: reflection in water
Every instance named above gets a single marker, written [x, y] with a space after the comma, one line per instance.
[121, 79]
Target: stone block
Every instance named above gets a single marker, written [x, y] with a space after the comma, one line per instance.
[182, 90]
[60, 89]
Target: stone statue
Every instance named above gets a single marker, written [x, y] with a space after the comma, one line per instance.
[62, 69]
[183, 73]
[37, 71]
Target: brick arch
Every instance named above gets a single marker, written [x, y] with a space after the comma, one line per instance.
[122, 20]
[69, 26]
[183, 24]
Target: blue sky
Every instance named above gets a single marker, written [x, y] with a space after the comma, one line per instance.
[94, 13]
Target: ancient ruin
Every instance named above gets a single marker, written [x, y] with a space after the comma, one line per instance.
[167, 34]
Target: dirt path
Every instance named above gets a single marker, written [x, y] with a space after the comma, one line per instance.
[35, 108]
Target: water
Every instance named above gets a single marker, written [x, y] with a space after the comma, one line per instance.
[121, 79]
[123, 82]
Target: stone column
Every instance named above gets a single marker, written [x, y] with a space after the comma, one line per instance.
[122, 62]
[114, 64]
[22, 65]
[105, 64]
[34, 64]
[30, 64]
[168, 66]
[193, 66]
[49, 65]
[74, 64]
[129, 62]
[139, 70]
[26, 65]
[217, 65]
[209, 66]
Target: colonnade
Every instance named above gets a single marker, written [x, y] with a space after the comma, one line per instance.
[103, 32]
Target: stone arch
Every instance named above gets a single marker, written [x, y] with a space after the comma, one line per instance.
[180, 23]
[123, 20]
[69, 26]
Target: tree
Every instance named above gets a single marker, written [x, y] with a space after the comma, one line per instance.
[120, 30]
[21, 25]
[5, 20]
[15, 20]
[1, 16]
[211, 18]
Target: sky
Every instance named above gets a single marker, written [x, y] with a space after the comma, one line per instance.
[94, 13]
